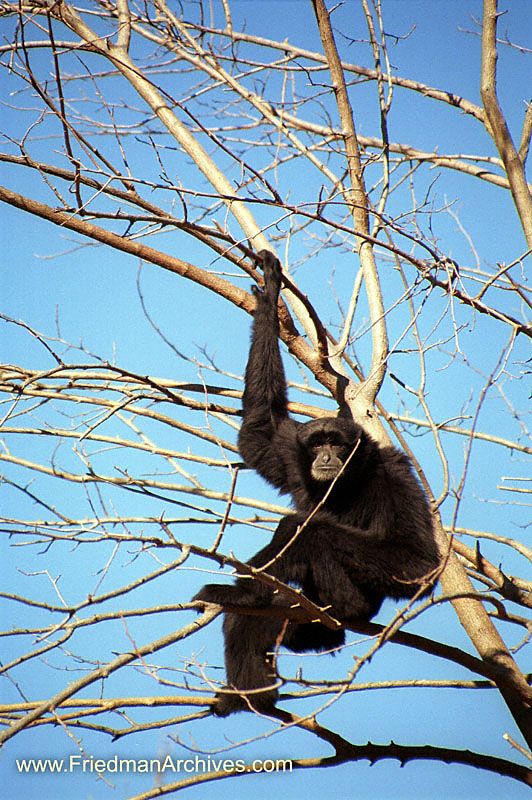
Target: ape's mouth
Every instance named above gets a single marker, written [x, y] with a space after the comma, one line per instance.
[325, 473]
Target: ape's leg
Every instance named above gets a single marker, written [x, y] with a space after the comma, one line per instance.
[312, 555]
[352, 569]
[249, 663]
[307, 558]
[306, 636]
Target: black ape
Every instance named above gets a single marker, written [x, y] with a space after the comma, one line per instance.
[372, 537]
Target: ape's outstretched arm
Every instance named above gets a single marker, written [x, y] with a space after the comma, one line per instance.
[264, 400]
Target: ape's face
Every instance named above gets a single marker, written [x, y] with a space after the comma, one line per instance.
[327, 460]
[327, 444]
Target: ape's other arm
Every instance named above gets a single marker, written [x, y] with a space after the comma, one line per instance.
[305, 554]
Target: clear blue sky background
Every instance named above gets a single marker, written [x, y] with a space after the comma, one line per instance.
[93, 292]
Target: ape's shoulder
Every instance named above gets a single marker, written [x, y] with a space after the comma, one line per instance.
[397, 464]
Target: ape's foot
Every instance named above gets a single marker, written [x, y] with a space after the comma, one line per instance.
[260, 702]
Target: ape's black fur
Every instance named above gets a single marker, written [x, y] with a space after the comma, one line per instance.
[372, 537]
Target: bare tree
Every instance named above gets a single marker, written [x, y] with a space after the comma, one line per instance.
[155, 130]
